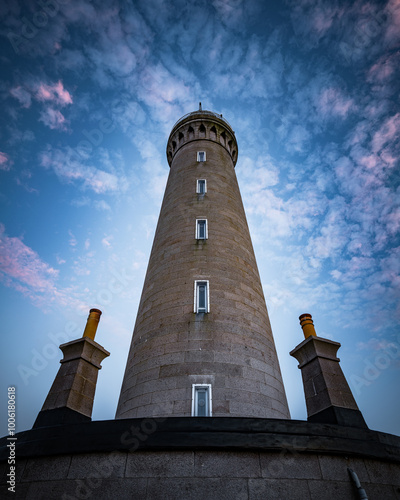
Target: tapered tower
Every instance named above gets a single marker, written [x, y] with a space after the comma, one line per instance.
[202, 343]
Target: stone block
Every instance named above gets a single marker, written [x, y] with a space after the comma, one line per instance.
[98, 465]
[172, 395]
[80, 403]
[290, 465]
[21, 491]
[335, 468]
[382, 472]
[239, 409]
[227, 464]
[279, 489]
[102, 489]
[47, 468]
[160, 464]
[199, 356]
[327, 490]
[197, 489]
[382, 491]
[182, 408]
[146, 375]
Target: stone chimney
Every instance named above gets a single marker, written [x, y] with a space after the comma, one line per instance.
[70, 399]
[328, 396]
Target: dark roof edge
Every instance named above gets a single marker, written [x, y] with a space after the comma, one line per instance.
[204, 433]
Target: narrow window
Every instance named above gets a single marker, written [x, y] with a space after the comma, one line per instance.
[201, 400]
[201, 156]
[201, 186]
[202, 131]
[213, 133]
[201, 229]
[201, 297]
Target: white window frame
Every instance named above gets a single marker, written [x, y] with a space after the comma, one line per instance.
[198, 186]
[194, 399]
[197, 234]
[198, 156]
[196, 296]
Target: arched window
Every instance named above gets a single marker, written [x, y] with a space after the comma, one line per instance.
[191, 133]
[180, 137]
[173, 144]
[222, 138]
[230, 145]
[213, 133]
[202, 131]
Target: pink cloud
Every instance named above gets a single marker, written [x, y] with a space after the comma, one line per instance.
[54, 93]
[393, 28]
[388, 131]
[331, 101]
[383, 69]
[5, 163]
[53, 119]
[22, 268]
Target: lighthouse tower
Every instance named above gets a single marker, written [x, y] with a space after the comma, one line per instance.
[202, 343]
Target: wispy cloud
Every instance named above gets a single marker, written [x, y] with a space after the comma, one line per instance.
[23, 96]
[5, 162]
[331, 102]
[21, 268]
[69, 169]
[53, 118]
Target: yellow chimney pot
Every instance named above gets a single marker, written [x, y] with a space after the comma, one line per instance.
[92, 323]
[307, 324]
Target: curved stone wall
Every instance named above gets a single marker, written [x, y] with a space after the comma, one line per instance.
[231, 347]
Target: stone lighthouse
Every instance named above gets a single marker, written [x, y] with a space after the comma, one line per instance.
[203, 355]
[202, 344]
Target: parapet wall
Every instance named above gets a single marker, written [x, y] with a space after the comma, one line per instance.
[201, 125]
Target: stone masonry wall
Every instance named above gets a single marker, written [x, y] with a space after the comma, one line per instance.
[199, 475]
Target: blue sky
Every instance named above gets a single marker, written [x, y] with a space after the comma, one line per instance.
[89, 94]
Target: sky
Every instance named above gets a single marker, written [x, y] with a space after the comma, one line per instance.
[89, 94]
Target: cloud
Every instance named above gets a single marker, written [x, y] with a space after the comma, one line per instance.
[332, 102]
[22, 269]
[53, 93]
[387, 132]
[384, 69]
[23, 96]
[69, 167]
[53, 119]
[101, 205]
[72, 239]
[106, 241]
[5, 162]
[392, 33]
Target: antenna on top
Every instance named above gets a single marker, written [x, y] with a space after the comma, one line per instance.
[200, 106]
